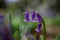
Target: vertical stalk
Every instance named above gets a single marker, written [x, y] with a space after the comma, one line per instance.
[19, 33]
[11, 26]
[44, 29]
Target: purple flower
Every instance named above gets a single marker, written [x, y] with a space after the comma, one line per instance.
[1, 18]
[39, 26]
[26, 34]
[27, 16]
[5, 33]
[33, 15]
[39, 18]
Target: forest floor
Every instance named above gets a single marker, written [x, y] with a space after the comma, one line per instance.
[52, 32]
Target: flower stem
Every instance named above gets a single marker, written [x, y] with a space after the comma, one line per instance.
[44, 29]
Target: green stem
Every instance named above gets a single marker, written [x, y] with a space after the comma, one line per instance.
[44, 29]
[10, 25]
[19, 33]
